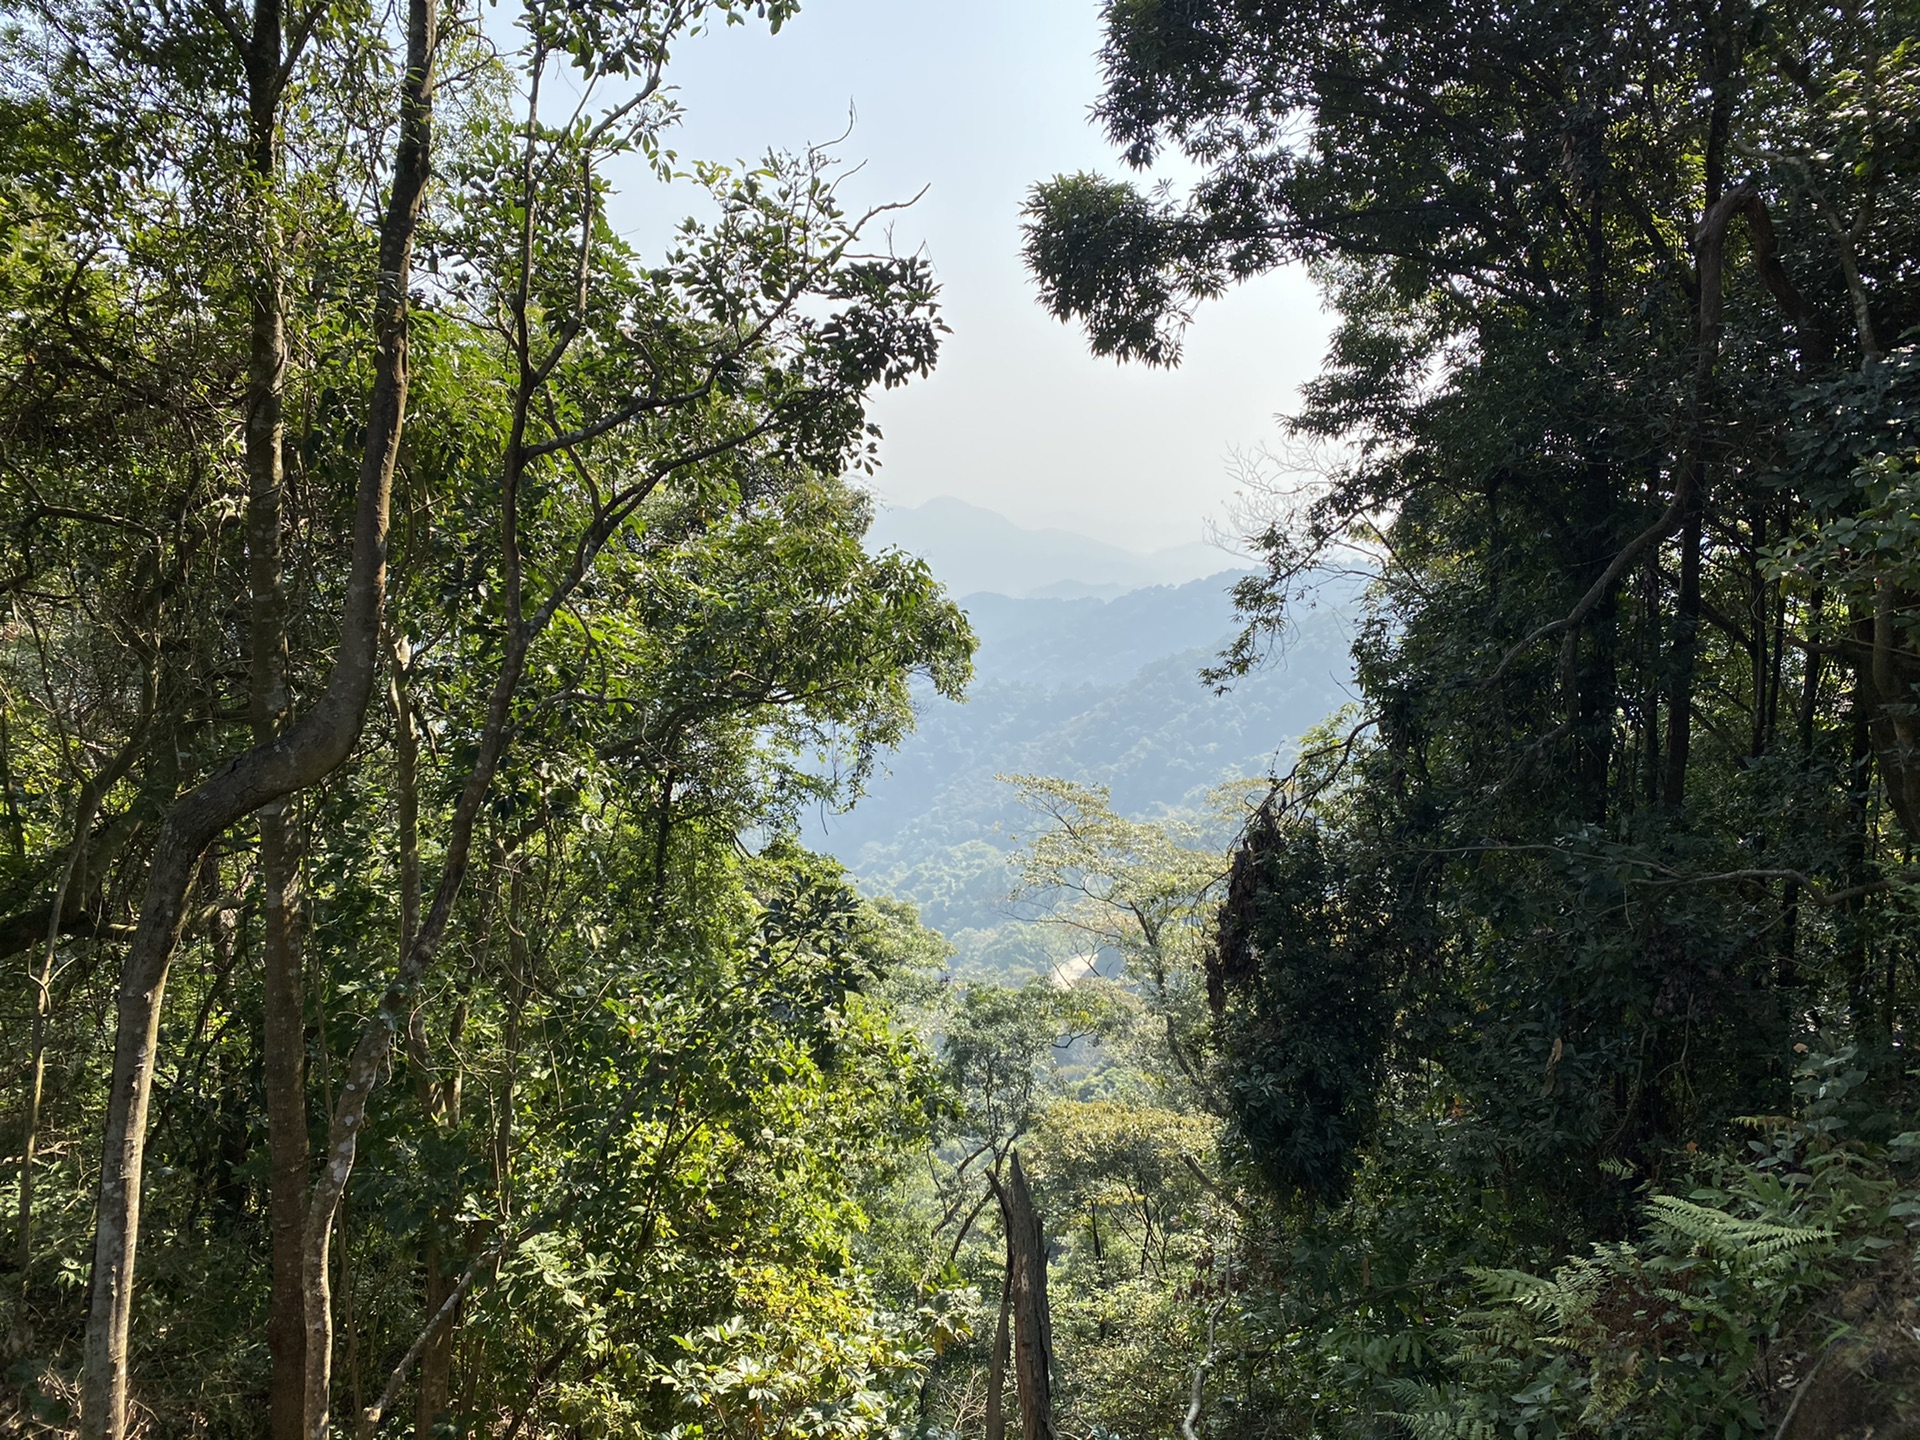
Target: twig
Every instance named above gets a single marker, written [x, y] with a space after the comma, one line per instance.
[370, 1417]
[1190, 1423]
[1800, 1391]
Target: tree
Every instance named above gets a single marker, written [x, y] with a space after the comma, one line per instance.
[1623, 815]
[280, 761]
[1143, 889]
[1132, 886]
[622, 543]
[1570, 337]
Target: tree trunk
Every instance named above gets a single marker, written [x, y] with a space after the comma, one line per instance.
[86, 807]
[1860, 757]
[1684, 648]
[997, 1361]
[406, 775]
[1789, 975]
[284, 1002]
[285, 1082]
[1032, 1321]
[1710, 247]
[16, 828]
[1593, 662]
[1892, 689]
[436, 1360]
[436, 1357]
[298, 757]
[510, 1039]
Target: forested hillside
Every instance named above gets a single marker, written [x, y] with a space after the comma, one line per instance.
[1101, 692]
[438, 625]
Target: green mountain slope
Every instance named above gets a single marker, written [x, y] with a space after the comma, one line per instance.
[1105, 692]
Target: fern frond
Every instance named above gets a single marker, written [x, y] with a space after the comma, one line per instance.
[1733, 1238]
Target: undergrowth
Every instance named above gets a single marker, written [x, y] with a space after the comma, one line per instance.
[1709, 1322]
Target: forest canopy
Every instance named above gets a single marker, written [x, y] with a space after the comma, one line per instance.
[1624, 374]
[428, 611]
[415, 592]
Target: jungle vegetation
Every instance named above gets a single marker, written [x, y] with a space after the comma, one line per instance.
[428, 614]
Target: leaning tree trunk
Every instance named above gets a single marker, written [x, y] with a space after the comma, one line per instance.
[298, 757]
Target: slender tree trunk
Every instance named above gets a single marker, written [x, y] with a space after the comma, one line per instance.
[16, 830]
[1710, 243]
[1684, 649]
[92, 794]
[299, 756]
[1809, 709]
[349, 1315]
[284, 1000]
[406, 761]
[437, 1358]
[1892, 687]
[510, 1039]
[1593, 648]
[285, 1082]
[1860, 757]
[1710, 246]
[997, 1361]
[1652, 776]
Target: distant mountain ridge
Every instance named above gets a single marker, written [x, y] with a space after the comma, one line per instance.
[1105, 692]
[973, 550]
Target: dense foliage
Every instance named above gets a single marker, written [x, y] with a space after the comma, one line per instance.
[491, 585]
[429, 614]
[1623, 368]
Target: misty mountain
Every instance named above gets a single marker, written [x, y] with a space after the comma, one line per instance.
[974, 550]
[1104, 692]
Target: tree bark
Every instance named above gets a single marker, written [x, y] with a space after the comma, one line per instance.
[1892, 689]
[1684, 648]
[1857, 959]
[86, 807]
[997, 1361]
[406, 761]
[436, 1358]
[299, 756]
[285, 1082]
[1032, 1320]
[16, 829]
[1789, 973]
[517, 962]
[1711, 246]
[284, 1003]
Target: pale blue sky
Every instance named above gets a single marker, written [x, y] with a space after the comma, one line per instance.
[977, 99]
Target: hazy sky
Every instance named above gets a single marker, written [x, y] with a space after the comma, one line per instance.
[978, 99]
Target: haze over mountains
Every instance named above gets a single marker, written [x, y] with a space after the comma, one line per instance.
[1104, 691]
[973, 550]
